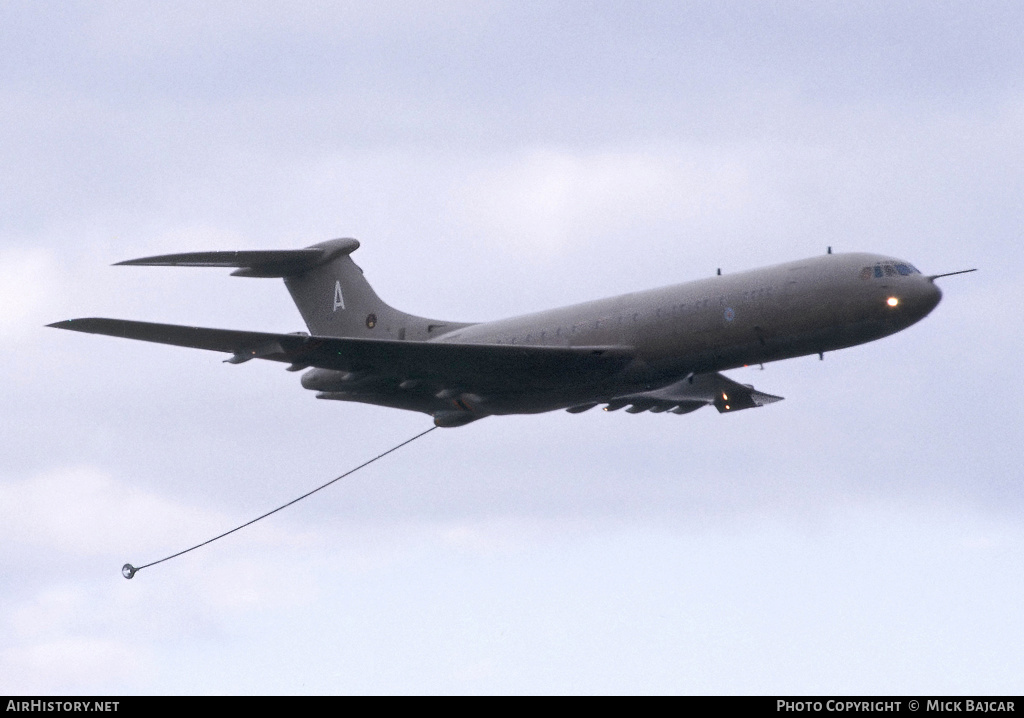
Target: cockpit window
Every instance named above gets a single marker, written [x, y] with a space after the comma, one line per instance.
[888, 270]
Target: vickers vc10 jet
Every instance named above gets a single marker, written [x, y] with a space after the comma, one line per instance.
[658, 350]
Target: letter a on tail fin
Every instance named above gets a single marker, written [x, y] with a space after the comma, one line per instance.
[339, 298]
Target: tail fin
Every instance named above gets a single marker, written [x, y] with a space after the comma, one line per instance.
[328, 288]
[336, 301]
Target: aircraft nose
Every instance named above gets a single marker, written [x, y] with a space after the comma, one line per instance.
[924, 299]
[915, 301]
[932, 295]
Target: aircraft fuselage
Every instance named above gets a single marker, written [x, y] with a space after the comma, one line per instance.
[722, 322]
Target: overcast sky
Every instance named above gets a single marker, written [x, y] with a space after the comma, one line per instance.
[863, 536]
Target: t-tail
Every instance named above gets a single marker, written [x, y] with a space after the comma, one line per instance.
[328, 288]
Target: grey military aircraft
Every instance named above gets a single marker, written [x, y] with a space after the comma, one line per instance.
[661, 350]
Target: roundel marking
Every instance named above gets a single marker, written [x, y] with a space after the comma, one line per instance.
[729, 314]
[371, 321]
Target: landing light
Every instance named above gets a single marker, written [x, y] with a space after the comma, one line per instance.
[892, 301]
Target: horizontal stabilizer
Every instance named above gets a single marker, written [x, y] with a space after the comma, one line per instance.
[255, 263]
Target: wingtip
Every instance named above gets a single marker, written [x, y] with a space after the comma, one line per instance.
[139, 262]
[77, 325]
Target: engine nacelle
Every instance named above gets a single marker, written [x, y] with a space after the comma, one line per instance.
[451, 419]
[330, 380]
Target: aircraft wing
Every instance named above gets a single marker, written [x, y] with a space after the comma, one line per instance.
[477, 367]
[689, 395]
